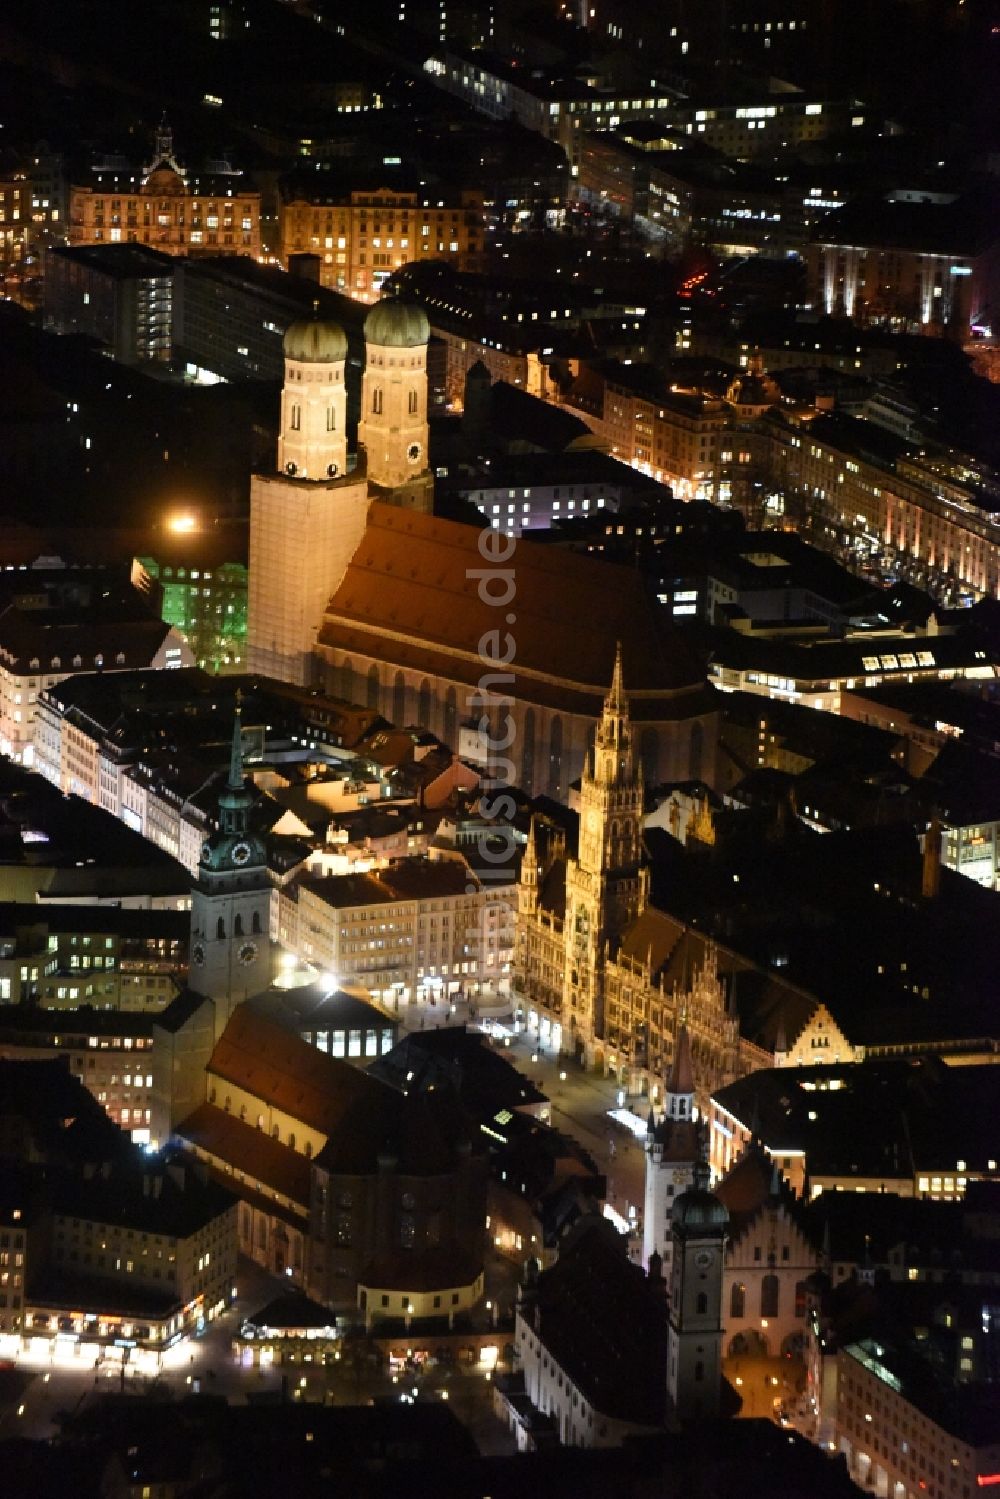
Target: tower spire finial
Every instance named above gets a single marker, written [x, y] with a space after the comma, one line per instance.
[616, 696]
[236, 750]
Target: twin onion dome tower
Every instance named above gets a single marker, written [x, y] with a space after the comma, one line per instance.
[392, 431]
[308, 516]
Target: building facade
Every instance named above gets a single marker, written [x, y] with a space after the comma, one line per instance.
[165, 208]
[349, 1188]
[588, 969]
[674, 1145]
[363, 238]
[417, 930]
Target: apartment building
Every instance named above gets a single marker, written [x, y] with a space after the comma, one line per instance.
[15, 217]
[419, 929]
[40, 647]
[165, 207]
[905, 1433]
[136, 1258]
[112, 958]
[110, 1054]
[362, 238]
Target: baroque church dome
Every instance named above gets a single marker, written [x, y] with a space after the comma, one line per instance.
[395, 324]
[315, 342]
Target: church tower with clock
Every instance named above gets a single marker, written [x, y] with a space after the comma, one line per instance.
[699, 1227]
[393, 426]
[607, 884]
[230, 901]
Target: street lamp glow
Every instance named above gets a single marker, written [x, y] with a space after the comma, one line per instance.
[183, 524]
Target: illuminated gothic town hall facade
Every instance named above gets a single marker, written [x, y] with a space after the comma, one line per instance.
[597, 968]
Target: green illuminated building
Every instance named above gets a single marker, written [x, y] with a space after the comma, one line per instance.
[208, 604]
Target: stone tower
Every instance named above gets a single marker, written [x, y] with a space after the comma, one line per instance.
[694, 1334]
[607, 883]
[393, 426]
[673, 1148]
[307, 519]
[231, 901]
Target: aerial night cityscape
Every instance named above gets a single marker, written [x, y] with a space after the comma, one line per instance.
[499, 749]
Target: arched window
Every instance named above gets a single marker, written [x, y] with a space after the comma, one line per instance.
[399, 699]
[412, 403]
[211, 1095]
[377, 401]
[424, 704]
[649, 754]
[769, 1291]
[697, 752]
[555, 756]
[372, 698]
[296, 418]
[331, 419]
[528, 753]
[238, 926]
[309, 1150]
[255, 923]
[738, 1300]
[220, 929]
[228, 1105]
[701, 1306]
[451, 718]
[274, 1132]
[291, 1142]
[243, 1113]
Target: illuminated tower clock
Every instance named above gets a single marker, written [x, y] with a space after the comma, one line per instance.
[699, 1227]
[230, 957]
[393, 425]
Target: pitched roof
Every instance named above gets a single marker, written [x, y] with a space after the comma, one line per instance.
[278, 1067]
[248, 1150]
[605, 1325]
[406, 880]
[681, 1079]
[414, 586]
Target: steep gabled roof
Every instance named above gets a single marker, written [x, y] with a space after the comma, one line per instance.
[414, 585]
[278, 1067]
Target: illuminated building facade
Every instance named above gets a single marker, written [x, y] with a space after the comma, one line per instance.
[353, 1190]
[166, 208]
[363, 238]
[592, 956]
[419, 929]
[207, 605]
[905, 1435]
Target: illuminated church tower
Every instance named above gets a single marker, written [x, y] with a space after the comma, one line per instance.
[231, 900]
[699, 1229]
[393, 426]
[607, 883]
[307, 519]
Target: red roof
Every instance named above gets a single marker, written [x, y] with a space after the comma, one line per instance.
[284, 1071]
[414, 586]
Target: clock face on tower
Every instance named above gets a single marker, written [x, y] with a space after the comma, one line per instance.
[241, 853]
[206, 851]
[198, 954]
[247, 952]
[414, 452]
[703, 1259]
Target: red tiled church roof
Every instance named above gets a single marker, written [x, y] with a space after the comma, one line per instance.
[412, 587]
